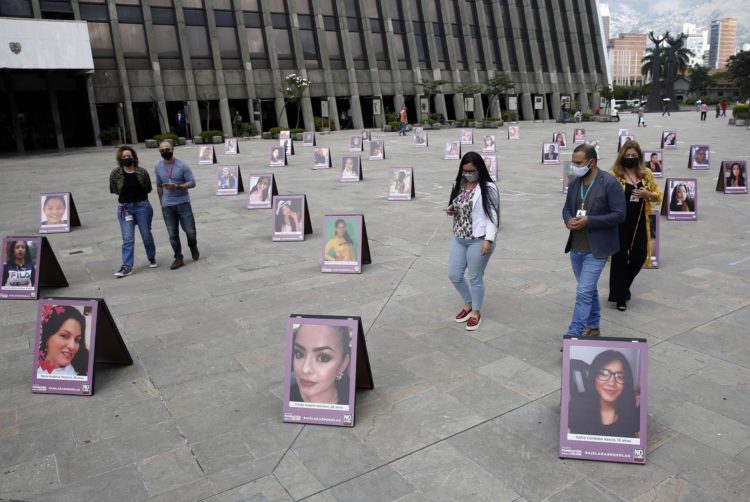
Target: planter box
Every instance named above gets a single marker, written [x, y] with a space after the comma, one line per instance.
[151, 143]
[265, 135]
[181, 141]
[739, 122]
[297, 136]
[217, 139]
[731, 121]
[197, 140]
[387, 128]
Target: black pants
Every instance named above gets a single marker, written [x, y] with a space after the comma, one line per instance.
[628, 261]
[703, 115]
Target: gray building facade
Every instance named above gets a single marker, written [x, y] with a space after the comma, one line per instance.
[210, 59]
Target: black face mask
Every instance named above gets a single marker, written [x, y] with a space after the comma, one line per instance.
[630, 163]
[167, 155]
[127, 162]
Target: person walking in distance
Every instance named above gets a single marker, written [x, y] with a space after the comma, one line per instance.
[173, 180]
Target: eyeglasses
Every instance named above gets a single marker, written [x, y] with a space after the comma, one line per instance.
[604, 375]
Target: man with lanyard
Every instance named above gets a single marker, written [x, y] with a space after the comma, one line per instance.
[173, 180]
[594, 207]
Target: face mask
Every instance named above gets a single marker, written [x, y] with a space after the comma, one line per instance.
[581, 171]
[166, 155]
[629, 163]
[127, 162]
[471, 176]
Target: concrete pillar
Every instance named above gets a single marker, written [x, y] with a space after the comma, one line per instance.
[55, 110]
[193, 113]
[333, 113]
[158, 85]
[281, 112]
[478, 107]
[356, 105]
[123, 74]
[95, 129]
[583, 101]
[221, 87]
[527, 107]
[458, 106]
[556, 102]
[35, 9]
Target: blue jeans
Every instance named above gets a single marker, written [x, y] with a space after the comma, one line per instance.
[403, 129]
[587, 311]
[142, 214]
[181, 214]
[466, 253]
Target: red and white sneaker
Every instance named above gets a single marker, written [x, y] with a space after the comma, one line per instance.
[473, 323]
[463, 316]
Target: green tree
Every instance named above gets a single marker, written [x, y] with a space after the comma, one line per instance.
[294, 86]
[738, 68]
[654, 56]
[431, 88]
[700, 80]
[496, 88]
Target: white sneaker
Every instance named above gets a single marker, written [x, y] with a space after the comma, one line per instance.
[152, 264]
[123, 272]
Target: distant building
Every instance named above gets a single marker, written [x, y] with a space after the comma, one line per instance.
[723, 42]
[604, 13]
[696, 41]
[625, 58]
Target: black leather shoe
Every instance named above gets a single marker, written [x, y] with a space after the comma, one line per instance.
[178, 263]
[195, 253]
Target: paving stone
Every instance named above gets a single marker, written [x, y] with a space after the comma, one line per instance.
[168, 471]
[520, 377]
[708, 427]
[296, 479]
[29, 478]
[265, 489]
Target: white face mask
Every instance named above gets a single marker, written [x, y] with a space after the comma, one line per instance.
[581, 171]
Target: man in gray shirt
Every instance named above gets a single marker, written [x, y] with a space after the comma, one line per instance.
[173, 180]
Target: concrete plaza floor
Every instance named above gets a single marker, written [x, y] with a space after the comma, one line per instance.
[454, 415]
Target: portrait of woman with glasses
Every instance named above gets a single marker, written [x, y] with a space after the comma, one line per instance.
[608, 405]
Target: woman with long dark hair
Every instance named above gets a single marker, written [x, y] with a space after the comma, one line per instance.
[340, 247]
[608, 405]
[475, 206]
[18, 271]
[641, 192]
[62, 343]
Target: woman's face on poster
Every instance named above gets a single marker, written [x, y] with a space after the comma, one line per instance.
[349, 165]
[340, 229]
[681, 193]
[610, 390]
[736, 170]
[19, 251]
[318, 359]
[54, 209]
[64, 344]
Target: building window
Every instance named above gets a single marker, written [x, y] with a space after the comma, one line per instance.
[93, 12]
[333, 42]
[162, 15]
[56, 9]
[552, 35]
[377, 37]
[510, 37]
[167, 47]
[400, 47]
[134, 49]
[440, 46]
[16, 8]
[538, 35]
[458, 38]
[356, 45]
[101, 46]
[420, 39]
[309, 40]
[282, 40]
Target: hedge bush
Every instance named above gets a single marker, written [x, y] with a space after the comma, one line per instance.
[110, 135]
[509, 116]
[394, 123]
[741, 111]
[208, 135]
[250, 129]
[161, 137]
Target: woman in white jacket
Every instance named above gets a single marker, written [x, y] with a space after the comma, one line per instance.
[475, 206]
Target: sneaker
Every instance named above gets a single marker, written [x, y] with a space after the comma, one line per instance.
[152, 264]
[176, 264]
[123, 272]
[473, 323]
[591, 332]
[463, 316]
[195, 253]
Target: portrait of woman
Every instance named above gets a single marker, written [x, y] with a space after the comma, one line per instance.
[561, 140]
[700, 156]
[491, 162]
[355, 143]
[641, 192]
[321, 356]
[289, 216]
[308, 138]
[653, 162]
[260, 192]
[669, 139]
[132, 184]
[348, 170]
[18, 266]
[321, 157]
[206, 154]
[277, 156]
[488, 143]
[402, 183]
[467, 137]
[452, 150]
[681, 200]
[62, 343]
[579, 135]
[230, 146]
[474, 204]
[735, 175]
[420, 139]
[365, 133]
[340, 247]
[54, 210]
[608, 405]
[227, 179]
[376, 150]
[514, 132]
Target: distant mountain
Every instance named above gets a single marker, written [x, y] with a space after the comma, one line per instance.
[642, 16]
